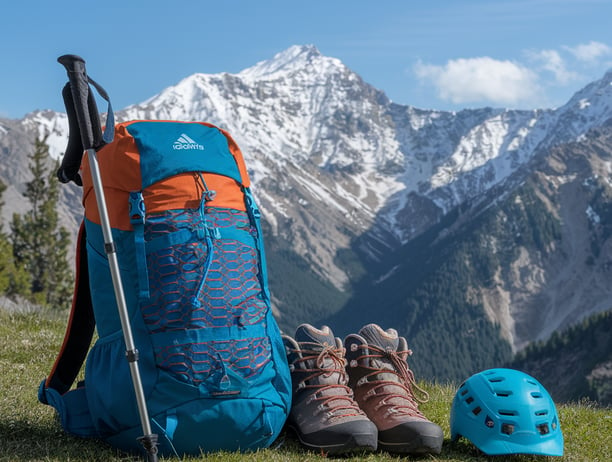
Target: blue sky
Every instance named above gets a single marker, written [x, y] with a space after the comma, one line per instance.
[435, 54]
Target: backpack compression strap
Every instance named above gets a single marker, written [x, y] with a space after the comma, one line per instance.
[79, 331]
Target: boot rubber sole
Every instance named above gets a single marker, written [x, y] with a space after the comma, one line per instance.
[352, 443]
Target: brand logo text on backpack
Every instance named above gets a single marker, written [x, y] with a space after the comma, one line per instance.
[185, 142]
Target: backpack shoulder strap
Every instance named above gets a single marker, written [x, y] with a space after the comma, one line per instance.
[79, 331]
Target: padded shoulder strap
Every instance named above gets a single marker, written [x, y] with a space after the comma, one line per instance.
[80, 329]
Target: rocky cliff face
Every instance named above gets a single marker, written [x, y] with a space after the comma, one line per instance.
[570, 279]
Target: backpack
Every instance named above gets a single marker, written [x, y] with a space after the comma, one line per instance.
[192, 264]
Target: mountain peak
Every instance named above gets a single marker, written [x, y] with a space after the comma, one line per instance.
[593, 101]
[294, 58]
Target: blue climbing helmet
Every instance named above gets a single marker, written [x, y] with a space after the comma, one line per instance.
[504, 411]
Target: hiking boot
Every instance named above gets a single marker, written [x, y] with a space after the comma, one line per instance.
[324, 414]
[384, 388]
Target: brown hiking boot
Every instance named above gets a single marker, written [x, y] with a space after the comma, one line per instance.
[324, 414]
[384, 388]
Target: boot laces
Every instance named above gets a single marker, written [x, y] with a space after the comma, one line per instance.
[392, 392]
[335, 399]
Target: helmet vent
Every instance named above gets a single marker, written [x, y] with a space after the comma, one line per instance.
[476, 410]
[503, 393]
[507, 428]
[536, 394]
[543, 429]
[469, 400]
[507, 412]
[542, 412]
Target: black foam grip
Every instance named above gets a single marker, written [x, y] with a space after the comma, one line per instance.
[84, 102]
[71, 163]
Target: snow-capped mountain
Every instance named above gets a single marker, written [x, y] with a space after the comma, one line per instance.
[309, 124]
[16, 143]
[344, 176]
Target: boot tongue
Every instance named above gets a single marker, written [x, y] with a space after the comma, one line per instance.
[386, 340]
[306, 333]
[312, 341]
[374, 335]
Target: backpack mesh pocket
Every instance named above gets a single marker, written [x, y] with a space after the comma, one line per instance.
[202, 283]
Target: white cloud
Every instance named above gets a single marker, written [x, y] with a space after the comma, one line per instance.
[472, 80]
[540, 78]
[551, 60]
[590, 52]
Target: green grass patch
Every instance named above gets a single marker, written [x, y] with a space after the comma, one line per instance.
[29, 430]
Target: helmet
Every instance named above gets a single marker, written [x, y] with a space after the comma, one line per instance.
[504, 411]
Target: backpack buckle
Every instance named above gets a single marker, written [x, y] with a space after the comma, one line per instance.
[137, 208]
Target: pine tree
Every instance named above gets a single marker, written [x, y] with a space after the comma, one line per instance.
[14, 280]
[39, 243]
[5, 253]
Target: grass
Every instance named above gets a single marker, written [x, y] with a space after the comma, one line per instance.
[30, 432]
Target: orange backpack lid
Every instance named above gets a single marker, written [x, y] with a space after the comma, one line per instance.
[163, 157]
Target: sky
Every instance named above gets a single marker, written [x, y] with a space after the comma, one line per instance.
[434, 54]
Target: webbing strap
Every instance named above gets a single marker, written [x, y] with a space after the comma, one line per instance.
[109, 129]
[137, 219]
[255, 216]
[171, 424]
[72, 409]
[206, 236]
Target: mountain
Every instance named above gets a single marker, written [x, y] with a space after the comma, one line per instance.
[16, 143]
[449, 226]
[526, 259]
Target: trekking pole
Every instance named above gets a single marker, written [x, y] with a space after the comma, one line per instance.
[81, 108]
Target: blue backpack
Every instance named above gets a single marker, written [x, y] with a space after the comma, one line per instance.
[192, 264]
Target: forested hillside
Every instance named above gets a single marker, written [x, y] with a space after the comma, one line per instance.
[574, 363]
[434, 293]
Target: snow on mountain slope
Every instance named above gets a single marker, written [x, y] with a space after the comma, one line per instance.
[313, 132]
[471, 151]
[298, 107]
[305, 123]
[53, 126]
[589, 107]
